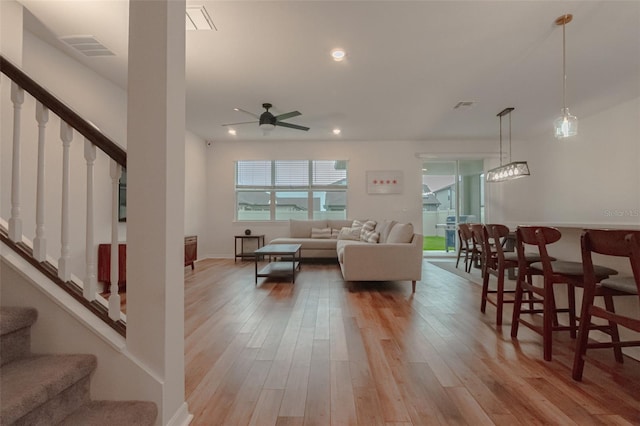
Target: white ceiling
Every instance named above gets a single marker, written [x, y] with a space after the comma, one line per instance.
[409, 63]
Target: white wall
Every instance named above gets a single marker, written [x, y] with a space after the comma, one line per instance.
[195, 194]
[361, 155]
[592, 179]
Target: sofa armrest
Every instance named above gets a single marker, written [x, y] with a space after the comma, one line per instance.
[383, 262]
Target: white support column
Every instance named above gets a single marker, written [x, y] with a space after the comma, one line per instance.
[40, 241]
[64, 270]
[155, 197]
[114, 297]
[15, 222]
[89, 290]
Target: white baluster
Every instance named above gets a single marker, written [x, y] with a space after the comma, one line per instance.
[90, 277]
[15, 222]
[114, 298]
[64, 270]
[40, 241]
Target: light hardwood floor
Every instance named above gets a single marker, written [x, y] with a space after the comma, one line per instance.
[322, 352]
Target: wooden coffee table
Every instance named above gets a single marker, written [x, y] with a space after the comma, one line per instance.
[289, 261]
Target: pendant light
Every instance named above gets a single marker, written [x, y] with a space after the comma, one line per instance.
[565, 125]
[513, 170]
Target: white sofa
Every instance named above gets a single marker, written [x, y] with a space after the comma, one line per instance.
[397, 256]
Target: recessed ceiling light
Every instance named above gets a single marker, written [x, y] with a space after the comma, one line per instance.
[336, 131]
[232, 132]
[338, 54]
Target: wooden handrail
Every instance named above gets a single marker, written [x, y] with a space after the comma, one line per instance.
[89, 131]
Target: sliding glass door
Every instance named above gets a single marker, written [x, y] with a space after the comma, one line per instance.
[452, 193]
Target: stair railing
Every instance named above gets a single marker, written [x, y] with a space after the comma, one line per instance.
[84, 291]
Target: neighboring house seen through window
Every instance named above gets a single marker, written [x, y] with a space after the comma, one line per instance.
[299, 189]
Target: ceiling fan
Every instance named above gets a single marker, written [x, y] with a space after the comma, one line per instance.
[268, 121]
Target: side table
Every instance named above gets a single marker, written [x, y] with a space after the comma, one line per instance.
[247, 254]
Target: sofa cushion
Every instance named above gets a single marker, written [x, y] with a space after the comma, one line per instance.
[384, 228]
[339, 223]
[401, 233]
[302, 228]
[307, 243]
[321, 233]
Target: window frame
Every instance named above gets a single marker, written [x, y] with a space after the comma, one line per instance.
[273, 188]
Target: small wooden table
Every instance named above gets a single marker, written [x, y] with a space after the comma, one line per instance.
[290, 256]
[242, 253]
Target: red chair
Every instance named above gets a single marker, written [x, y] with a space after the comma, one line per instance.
[553, 272]
[621, 243]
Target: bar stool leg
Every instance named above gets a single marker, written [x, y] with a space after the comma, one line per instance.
[613, 329]
[549, 311]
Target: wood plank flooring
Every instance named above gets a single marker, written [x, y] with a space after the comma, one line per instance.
[324, 352]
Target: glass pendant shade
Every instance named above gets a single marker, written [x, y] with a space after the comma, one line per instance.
[565, 125]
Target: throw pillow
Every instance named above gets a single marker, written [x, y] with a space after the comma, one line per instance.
[335, 233]
[349, 234]
[371, 237]
[367, 228]
[401, 233]
[320, 232]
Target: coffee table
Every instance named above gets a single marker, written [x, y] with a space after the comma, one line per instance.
[288, 264]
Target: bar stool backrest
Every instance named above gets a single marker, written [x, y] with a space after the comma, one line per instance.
[633, 242]
[497, 232]
[539, 236]
[609, 242]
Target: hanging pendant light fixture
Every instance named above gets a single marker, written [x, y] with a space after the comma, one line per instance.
[513, 170]
[566, 125]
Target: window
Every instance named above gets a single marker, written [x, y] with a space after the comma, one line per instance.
[282, 190]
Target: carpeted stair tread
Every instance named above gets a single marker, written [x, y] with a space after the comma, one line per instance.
[14, 318]
[27, 383]
[110, 413]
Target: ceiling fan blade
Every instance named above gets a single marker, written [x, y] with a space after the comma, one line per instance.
[292, 126]
[288, 115]
[242, 122]
[246, 112]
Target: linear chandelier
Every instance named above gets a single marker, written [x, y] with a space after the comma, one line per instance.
[566, 125]
[513, 170]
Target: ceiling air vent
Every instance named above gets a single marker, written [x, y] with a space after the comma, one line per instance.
[87, 45]
[198, 18]
[463, 104]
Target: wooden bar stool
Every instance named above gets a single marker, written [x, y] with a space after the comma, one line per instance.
[479, 252]
[611, 242]
[553, 272]
[496, 265]
[465, 245]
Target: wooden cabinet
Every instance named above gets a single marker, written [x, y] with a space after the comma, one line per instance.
[104, 265]
[104, 261]
[190, 250]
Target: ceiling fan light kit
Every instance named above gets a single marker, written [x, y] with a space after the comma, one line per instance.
[566, 125]
[513, 170]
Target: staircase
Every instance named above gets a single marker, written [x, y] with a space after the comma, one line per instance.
[41, 389]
